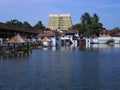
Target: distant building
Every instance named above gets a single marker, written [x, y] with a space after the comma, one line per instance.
[104, 37]
[109, 33]
[59, 21]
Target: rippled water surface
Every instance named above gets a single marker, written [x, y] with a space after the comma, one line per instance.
[92, 68]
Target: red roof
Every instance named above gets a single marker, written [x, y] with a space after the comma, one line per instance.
[71, 31]
[5, 26]
[45, 39]
[46, 34]
[113, 33]
[107, 31]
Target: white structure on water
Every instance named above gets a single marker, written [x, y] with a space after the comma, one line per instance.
[70, 38]
[105, 36]
[57, 38]
[102, 40]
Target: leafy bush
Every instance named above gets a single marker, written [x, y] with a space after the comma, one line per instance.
[110, 41]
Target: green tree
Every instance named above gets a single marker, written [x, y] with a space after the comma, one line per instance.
[86, 19]
[117, 29]
[26, 25]
[95, 19]
[76, 26]
[39, 26]
[95, 26]
[85, 23]
[89, 24]
[14, 22]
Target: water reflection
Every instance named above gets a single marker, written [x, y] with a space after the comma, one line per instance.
[98, 47]
[96, 67]
[90, 71]
[88, 47]
[62, 48]
[14, 55]
[59, 71]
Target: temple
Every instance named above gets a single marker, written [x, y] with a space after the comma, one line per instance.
[59, 22]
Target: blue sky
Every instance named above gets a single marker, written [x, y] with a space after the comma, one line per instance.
[36, 10]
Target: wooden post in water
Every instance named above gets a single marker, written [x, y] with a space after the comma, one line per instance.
[81, 42]
[14, 46]
[28, 47]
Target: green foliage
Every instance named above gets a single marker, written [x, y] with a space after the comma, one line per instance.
[25, 24]
[109, 41]
[89, 25]
[39, 26]
[14, 22]
[86, 19]
[117, 29]
[76, 26]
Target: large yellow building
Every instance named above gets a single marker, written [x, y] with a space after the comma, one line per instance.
[59, 21]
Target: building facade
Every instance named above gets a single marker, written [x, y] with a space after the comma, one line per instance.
[59, 21]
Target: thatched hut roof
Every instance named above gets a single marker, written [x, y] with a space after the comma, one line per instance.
[16, 39]
[45, 39]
